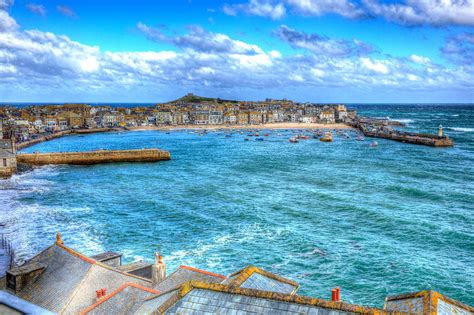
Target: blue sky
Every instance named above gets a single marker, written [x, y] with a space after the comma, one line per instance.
[307, 50]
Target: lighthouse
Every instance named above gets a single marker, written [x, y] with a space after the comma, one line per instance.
[440, 132]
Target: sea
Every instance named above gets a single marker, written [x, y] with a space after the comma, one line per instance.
[375, 221]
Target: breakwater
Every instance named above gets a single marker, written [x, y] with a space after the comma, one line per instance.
[414, 138]
[94, 157]
[60, 134]
[377, 128]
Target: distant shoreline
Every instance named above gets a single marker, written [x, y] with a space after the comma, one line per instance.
[271, 126]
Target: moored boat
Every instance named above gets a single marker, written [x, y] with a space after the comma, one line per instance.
[327, 137]
[293, 140]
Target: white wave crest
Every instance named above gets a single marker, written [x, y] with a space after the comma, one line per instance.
[461, 129]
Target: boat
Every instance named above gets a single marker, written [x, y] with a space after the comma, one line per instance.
[259, 139]
[293, 140]
[302, 137]
[257, 135]
[266, 135]
[360, 138]
[374, 144]
[246, 139]
[327, 137]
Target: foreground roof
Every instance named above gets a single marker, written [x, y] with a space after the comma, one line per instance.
[69, 280]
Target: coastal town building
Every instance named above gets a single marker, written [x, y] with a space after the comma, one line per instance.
[28, 123]
[8, 163]
[60, 280]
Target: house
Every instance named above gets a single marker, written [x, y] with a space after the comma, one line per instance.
[7, 158]
[255, 118]
[63, 281]
[163, 117]
[327, 116]
[243, 118]
[230, 118]
[72, 119]
[200, 117]
[216, 118]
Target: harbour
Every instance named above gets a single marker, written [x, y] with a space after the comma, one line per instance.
[278, 204]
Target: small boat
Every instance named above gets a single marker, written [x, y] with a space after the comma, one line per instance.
[302, 137]
[266, 135]
[327, 137]
[257, 135]
[374, 144]
[246, 139]
[259, 139]
[293, 140]
[360, 138]
[228, 136]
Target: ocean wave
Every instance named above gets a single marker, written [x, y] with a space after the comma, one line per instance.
[461, 129]
[403, 120]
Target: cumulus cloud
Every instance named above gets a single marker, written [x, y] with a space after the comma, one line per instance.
[407, 12]
[264, 8]
[201, 40]
[344, 8]
[36, 8]
[420, 60]
[416, 12]
[66, 11]
[460, 49]
[32, 60]
[321, 44]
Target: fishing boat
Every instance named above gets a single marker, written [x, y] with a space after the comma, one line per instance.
[257, 135]
[259, 139]
[374, 144]
[327, 137]
[266, 135]
[360, 138]
[246, 139]
[293, 140]
[302, 137]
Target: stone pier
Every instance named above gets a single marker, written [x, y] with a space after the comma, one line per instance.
[94, 157]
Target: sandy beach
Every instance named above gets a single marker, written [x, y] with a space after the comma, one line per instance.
[273, 126]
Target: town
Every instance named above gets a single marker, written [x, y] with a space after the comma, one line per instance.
[25, 124]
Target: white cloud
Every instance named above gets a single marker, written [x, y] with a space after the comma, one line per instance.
[344, 8]
[433, 12]
[374, 66]
[40, 62]
[263, 8]
[420, 59]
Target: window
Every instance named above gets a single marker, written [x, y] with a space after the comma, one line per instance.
[4, 162]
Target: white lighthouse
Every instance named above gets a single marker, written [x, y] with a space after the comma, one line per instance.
[440, 131]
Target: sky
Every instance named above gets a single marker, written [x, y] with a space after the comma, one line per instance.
[351, 51]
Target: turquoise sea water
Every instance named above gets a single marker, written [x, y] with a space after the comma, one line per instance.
[374, 221]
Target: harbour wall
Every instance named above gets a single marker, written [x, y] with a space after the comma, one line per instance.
[421, 139]
[94, 157]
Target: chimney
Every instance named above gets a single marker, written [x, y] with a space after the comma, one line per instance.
[158, 271]
[100, 294]
[336, 294]
[20, 277]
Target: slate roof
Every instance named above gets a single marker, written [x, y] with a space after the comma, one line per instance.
[69, 282]
[125, 300]
[197, 297]
[184, 274]
[427, 301]
[252, 277]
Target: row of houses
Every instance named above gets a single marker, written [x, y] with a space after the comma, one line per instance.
[24, 124]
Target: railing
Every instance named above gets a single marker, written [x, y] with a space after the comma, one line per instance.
[7, 255]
